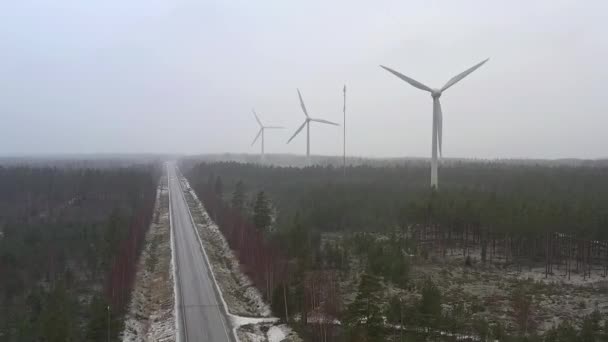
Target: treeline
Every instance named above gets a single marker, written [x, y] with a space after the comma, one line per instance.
[512, 209]
[69, 240]
[500, 197]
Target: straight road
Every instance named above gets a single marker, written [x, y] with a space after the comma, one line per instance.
[201, 316]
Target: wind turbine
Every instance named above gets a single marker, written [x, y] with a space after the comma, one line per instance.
[437, 115]
[307, 124]
[261, 132]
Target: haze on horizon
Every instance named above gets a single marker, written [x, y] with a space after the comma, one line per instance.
[182, 76]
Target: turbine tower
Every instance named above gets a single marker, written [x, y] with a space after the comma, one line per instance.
[437, 115]
[261, 132]
[307, 124]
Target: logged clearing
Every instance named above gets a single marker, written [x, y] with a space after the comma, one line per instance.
[486, 290]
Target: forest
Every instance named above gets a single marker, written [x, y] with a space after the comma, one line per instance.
[69, 239]
[367, 198]
[331, 243]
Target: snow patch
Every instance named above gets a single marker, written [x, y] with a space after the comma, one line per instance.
[241, 320]
[276, 333]
[267, 333]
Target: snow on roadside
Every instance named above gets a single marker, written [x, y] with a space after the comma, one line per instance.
[241, 296]
[150, 315]
[267, 333]
[249, 314]
[276, 333]
[251, 333]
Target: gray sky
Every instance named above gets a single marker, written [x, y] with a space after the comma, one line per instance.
[182, 76]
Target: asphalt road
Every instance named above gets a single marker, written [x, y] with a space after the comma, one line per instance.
[201, 316]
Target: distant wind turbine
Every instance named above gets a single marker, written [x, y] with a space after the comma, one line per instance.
[344, 135]
[261, 132]
[307, 124]
[437, 115]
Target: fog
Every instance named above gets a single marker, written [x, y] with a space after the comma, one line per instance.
[182, 76]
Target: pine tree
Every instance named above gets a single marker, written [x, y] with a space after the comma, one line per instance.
[430, 303]
[210, 182]
[564, 332]
[97, 328]
[279, 294]
[590, 327]
[364, 315]
[394, 310]
[261, 212]
[55, 319]
[521, 302]
[218, 187]
[238, 196]
[498, 331]
[481, 328]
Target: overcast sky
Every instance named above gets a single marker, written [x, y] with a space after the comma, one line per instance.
[182, 76]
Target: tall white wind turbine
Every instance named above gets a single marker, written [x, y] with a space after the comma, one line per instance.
[437, 115]
[307, 124]
[261, 132]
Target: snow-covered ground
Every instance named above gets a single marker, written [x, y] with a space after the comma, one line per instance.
[491, 287]
[250, 315]
[150, 315]
[266, 333]
[277, 333]
[536, 273]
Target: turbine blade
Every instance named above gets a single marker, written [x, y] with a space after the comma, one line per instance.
[462, 75]
[439, 116]
[257, 136]
[297, 131]
[302, 103]
[411, 81]
[325, 122]
[256, 116]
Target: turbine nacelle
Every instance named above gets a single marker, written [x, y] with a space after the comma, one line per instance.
[261, 131]
[306, 123]
[437, 114]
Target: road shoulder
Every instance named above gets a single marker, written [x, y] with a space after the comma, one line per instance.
[150, 315]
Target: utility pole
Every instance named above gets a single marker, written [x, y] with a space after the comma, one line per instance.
[344, 143]
[401, 316]
[108, 323]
